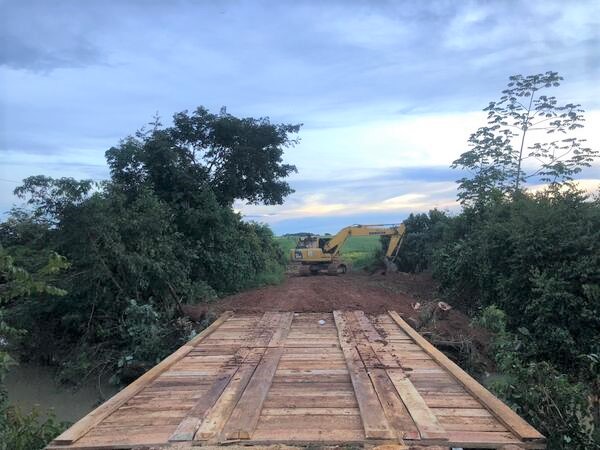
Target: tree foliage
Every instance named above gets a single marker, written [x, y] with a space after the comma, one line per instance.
[161, 233]
[503, 156]
[20, 431]
[424, 232]
[527, 265]
[236, 158]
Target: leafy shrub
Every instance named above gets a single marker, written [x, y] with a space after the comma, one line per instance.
[538, 259]
[551, 401]
[20, 431]
[32, 431]
[424, 232]
[159, 234]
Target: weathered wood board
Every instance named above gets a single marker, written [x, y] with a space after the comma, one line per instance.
[304, 378]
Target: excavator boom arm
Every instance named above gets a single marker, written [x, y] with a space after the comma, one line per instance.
[396, 232]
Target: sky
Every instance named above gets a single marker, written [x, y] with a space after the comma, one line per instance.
[388, 91]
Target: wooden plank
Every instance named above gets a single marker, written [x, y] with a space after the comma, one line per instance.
[461, 412]
[245, 416]
[283, 328]
[375, 423]
[450, 401]
[452, 423]
[311, 412]
[345, 400]
[502, 412]
[367, 327]
[215, 419]
[309, 436]
[489, 439]
[394, 408]
[316, 378]
[314, 422]
[107, 408]
[412, 424]
[425, 420]
[188, 426]
[265, 330]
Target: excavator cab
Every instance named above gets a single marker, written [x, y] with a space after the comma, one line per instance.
[312, 242]
[308, 242]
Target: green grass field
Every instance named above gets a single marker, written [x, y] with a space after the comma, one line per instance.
[360, 251]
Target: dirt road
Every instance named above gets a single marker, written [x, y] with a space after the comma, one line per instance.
[372, 293]
[321, 293]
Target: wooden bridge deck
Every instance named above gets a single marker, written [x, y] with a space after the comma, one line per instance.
[287, 378]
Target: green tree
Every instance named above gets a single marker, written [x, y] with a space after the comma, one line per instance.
[19, 431]
[237, 158]
[503, 154]
[424, 232]
[50, 197]
[159, 234]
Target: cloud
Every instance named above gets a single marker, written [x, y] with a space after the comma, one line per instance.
[388, 91]
[39, 36]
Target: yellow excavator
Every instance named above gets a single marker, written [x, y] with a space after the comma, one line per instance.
[317, 253]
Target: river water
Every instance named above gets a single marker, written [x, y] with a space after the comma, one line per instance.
[32, 385]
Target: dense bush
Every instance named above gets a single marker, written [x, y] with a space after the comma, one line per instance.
[424, 232]
[537, 258]
[528, 268]
[527, 264]
[18, 430]
[159, 234]
[555, 404]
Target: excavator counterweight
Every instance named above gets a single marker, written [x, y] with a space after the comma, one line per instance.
[316, 254]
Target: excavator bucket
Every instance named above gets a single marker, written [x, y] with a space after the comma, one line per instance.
[390, 266]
